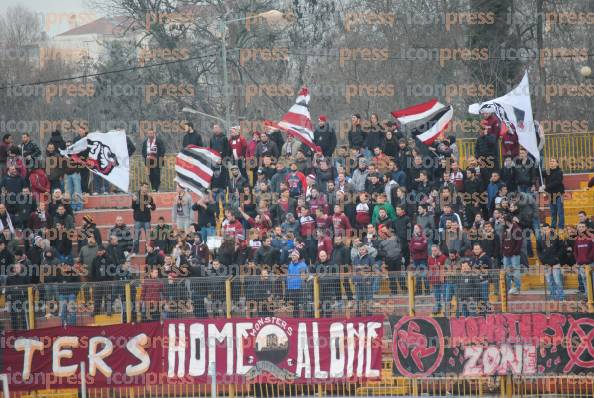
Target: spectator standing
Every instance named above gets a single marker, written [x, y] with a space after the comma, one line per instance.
[583, 249]
[30, 152]
[436, 266]
[511, 247]
[153, 151]
[191, 137]
[325, 136]
[555, 189]
[142, 206]
[181, 212]
[220, 143]
[7, 142]
[549, 250]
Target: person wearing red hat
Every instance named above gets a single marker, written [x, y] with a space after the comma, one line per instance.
[325, 136]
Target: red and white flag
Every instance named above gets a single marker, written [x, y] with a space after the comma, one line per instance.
[297, 122]
[194, 168]
[426, 121]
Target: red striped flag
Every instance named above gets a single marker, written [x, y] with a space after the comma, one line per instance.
[194, 168]
[426, 121]
[297, 122]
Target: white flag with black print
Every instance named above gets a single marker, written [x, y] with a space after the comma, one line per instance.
[514, 109]
[194, 168]
[105, 154]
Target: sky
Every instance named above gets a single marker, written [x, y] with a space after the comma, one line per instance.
[56, 16]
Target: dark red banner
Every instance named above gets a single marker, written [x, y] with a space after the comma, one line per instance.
[494, 344]
[263, 350]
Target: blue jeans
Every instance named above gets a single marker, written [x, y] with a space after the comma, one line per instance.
[485, 291]
[512, 266]
[421, 274]
[67, 309]
[439, 290]
[557, 212]
[74, 189]
[100, 185]
[554, 278]
[582, 279]
[205, 232]
[138, 225]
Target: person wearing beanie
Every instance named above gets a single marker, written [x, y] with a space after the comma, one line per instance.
[89, 229]
[325, 136]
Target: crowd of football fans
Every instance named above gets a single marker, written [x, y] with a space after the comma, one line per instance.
[354, 214]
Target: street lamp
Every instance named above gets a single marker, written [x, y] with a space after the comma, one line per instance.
[271, 16]
[586, 72]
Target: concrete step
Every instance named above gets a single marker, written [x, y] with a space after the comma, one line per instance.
[108, 216]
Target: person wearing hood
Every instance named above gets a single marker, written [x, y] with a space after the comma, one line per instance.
[419, 252]
[511, 247]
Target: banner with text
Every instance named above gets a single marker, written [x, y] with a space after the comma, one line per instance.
[496, 344]
[268, 349]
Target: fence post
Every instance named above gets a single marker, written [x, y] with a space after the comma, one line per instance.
[503, 291]
[505, 380]
[588, 272]
[31, 308]
[316, 299]
[411, 312]
[316, 296]
[128, 304]
[228, 313]
[411, 293]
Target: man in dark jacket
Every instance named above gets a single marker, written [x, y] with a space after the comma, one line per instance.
[403, 231]
[356, 135]
[122, 233]
[153, 151]
[30, 151]
[485, 152]
[191, 137]
[219, 142]
[526, 172]
[549, 250]
[325, 136]
[142, 205]
[102, 270]
[555, 189]
[16, 294]
[341, 258]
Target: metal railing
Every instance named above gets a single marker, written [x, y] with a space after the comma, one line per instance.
[574, 152]
[345, 294]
